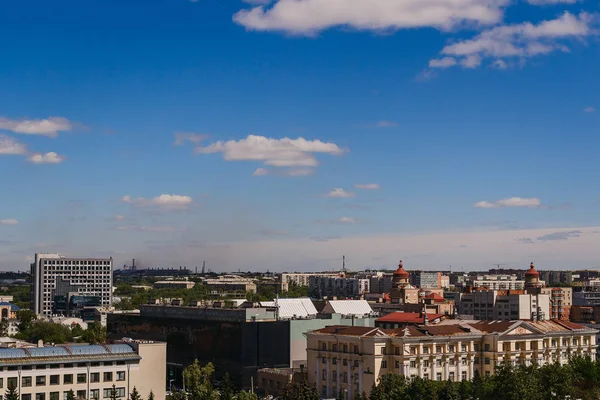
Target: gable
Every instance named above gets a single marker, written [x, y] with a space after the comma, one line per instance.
[520, 330]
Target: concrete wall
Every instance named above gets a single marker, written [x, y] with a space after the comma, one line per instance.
[152, 372]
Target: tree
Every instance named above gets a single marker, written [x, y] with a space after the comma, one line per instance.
[151, 395]
[94, 334]
[4, 327]
[71, 395]
[243, 395]
[300, 391]
[113, 393]
[391, 387]
[197, 381]
[11, 393]
[449, 391]
[25, 317]
[227, 388]
[135, 395]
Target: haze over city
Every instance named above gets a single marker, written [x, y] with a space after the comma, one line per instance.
[284, 134]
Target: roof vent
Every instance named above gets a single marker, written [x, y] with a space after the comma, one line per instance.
[40, 343]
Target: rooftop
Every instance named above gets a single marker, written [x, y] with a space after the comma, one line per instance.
[408, 317]
[69, 353]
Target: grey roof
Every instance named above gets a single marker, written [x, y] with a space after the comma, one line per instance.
[68, 353]
[348, 307]
[293, 308]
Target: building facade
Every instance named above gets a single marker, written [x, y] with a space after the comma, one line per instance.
[352, 359]
[61, 284]
[301, 279]
[339, 286]
[49, 372]
[502, 305]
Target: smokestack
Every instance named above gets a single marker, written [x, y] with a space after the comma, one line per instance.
[133, 265]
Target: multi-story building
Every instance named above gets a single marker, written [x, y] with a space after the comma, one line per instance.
[502, 305]
[352, 359]
[561, 300]
[498, 282]
[445, 282]
[557, 277]
[230, 283]
[49, 372]
[62, 285]
[586, 296]
[380, 283]
[322, 286]
[174, 284]
[301, 279]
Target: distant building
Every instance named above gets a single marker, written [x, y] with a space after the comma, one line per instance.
[430, 280]
[502, 305]
[301, 279]
[445, 282]
[380, 283]
[62, 285]
[272, 381]
[49, 372]
[174, 284]
[498, 282]
[339, 286]
[230, 283]
[403, 319]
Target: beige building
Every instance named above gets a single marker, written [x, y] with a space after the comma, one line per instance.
[352, 359]
[49, 372]
[302, 279]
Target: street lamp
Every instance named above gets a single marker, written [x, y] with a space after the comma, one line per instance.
[171, 385]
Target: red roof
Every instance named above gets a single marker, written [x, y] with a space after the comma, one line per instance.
[532, 272]
[435, 297]
[408, 318]
[401, 272]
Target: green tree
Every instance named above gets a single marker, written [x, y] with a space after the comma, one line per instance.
[25, 317]
[71, 395]
[4, 327]
[11, 393]
[114, 395]
[94, 334]
[151, 395]
[391, 387]
[449, 391]
[244, 395]
[300, 391]
[227, 389]
[47, 331]
[135, 395]
[197, 381]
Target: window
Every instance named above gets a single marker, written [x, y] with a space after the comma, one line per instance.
[438, 376]
[463, 347]
[324, 374]
[425, 350]
[11, 382]
[40, 381]
[438, 349]
[95, 394]
[345, 348]
[323, 360]
[463, 361]
[438, 363]
[383, 364]
[487, 373]
[54, 380]
[476, 347]
[383, 351]
[108, 377]
[426, 376]
[1, 381]
[334, 347]
[334, 376]
[324, 391]
[81, 394]
[40, 396]
[413, 350]
[81, 378]
[25, 397]
[345, 377]
[397, 364]
[426, 363]
[476, 360]
[413, 364]
[345, 362]
[451, 348]
[324, 346]
[487, 361]
[67, 379]
[397, 351]
[26, 381]
[463, 375]
[95, 376]
[333, 361]
[356, 363]
[486, 347]
[451, 376]
[54, 395]
[451, 361]
[356, 351]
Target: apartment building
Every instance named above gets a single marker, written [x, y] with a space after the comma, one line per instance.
[230, 283]
[498, 282]
[49, 372]
[324, 286]
[502, 305]
[561, 300]
[352, 359]
[301, 279]
[380, 283]
[62, 284]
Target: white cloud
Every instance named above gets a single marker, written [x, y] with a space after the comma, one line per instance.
[166, 201]
[522, 40]
[184, 137]
[445, 62]
[296, 154]
[368, 186]
[308, 17]
[387, 124]
[46, 158]
[588, 109]
[284, 171]
[510, 202]
[346, 220]
[9, 222]
[147, 228]
[44, 127]
[339, 193]
[119, 217]
[500, 64]
[9, 146]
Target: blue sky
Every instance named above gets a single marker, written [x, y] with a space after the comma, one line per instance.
[282, 134]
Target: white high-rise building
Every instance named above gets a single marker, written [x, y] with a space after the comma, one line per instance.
[74, 281]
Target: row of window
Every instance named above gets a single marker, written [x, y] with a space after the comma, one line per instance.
[27, 381]
[57, 366]
[80, 394]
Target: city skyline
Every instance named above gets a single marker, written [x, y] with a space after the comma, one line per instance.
[283, 134]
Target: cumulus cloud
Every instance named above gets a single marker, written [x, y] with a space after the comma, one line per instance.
[445, 62]
[339, 193]
[510, 202]
[386, 124]
[284, 171]
[279, 153]
[522, 40]
[45, 127]
[165, 201]
[9, 146]
[46, 158]
[188, 137]
[308, 17]
[367, 186]
[588, 109]
[9, 222]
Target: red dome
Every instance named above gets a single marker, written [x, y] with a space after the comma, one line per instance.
[532, 273]
[401, 272]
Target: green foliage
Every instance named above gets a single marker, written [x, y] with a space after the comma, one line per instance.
[198, 383]
[4, 327]
[151, 395]
[135, 395]
[25, 318]
[11, 393]
[71, 395]
[21, 295]
[227, 388]
[94, 334]
[49, 332]
[114, 395]
[243, 395]
[300, 391]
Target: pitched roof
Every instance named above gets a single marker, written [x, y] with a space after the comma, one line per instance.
[348, 307]
[350, 330]
[293, 308]
[435, 297]
[408, 318]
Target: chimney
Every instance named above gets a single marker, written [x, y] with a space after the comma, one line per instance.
[40, 343]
